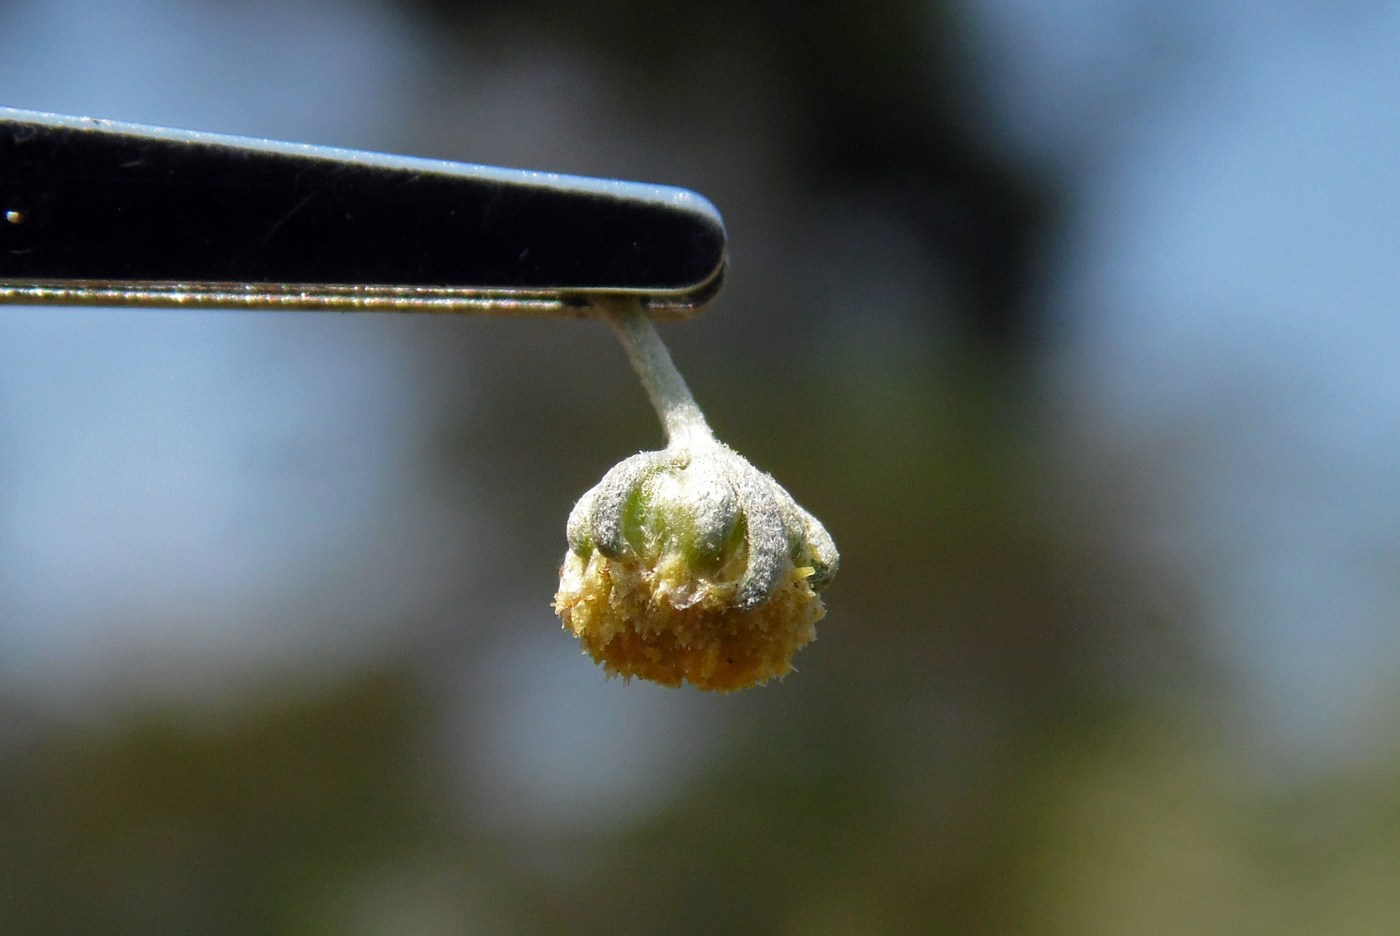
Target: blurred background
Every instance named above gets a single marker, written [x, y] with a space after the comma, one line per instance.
[1074, 321]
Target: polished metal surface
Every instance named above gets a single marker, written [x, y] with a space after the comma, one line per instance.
[94, 212]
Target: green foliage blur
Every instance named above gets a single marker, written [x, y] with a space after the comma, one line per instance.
[1006, 725]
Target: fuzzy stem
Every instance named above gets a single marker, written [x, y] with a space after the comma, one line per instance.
[680, 415]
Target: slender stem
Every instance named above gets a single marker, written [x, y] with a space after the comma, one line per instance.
[680, 415]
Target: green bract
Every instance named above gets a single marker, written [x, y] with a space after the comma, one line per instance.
[732, 527]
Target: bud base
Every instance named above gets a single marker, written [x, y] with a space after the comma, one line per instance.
[613, 607]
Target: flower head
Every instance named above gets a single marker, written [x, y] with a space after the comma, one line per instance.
[689, 564]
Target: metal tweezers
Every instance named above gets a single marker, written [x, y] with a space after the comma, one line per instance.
[94, 212]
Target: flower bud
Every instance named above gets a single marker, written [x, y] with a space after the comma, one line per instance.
[690, 565]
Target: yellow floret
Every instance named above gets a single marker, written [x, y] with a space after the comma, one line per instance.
[619, 611]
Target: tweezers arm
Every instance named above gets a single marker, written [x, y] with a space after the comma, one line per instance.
[99, 213]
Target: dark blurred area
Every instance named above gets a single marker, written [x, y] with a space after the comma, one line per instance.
[865, 102]
[1014, 718]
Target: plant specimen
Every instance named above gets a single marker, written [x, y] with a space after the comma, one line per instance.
[689, 564]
